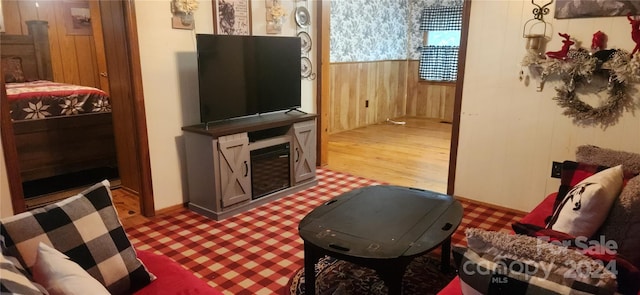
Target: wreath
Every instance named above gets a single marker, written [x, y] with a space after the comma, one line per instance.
[578, 70]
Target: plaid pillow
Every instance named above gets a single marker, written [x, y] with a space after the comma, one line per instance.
[13, 279]
[497, 275]
[628, 276]
[86, 228]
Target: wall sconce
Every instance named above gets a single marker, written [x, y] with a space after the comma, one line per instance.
[182, 11]
[535, 41]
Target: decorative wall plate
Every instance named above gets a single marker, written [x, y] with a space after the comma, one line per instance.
[305, 42]
[303, 19]
[305, 67]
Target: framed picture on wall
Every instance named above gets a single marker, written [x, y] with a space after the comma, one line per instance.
[590, 8]
[77, 18]
[232, 17]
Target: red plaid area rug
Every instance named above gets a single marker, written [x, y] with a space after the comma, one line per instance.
[258, 251]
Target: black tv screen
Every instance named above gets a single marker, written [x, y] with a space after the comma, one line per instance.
[247, 75]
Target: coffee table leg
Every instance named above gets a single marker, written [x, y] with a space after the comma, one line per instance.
[445, 256]
[392, 276]
[310, 259]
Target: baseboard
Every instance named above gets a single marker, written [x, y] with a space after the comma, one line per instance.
[493, 206]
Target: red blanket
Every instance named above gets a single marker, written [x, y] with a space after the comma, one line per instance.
[44, 99]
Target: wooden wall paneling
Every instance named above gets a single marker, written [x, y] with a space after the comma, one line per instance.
[351, 98]
[28, 11]
[367, 92]
[68, 52]
[401, 88]
[86, 61]
[449, 102]
[11, 14]
[412, 88]
[382, 90]
[382, 83]
[47, 11]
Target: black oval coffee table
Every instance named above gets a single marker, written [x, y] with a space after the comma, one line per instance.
[381, 227]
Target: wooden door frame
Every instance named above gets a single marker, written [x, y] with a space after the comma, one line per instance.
[146, 190]
[323, 90]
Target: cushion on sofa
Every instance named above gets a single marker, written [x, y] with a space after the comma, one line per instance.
[61, 276]
[623, 223]
[585, 207]
[503, 263]
[13, 278]
[172, 277]
[85, 228]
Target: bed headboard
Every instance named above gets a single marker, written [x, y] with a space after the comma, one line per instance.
[32, 49]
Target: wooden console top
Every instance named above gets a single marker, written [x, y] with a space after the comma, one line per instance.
[249, 124]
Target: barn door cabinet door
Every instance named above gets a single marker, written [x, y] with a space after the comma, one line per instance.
[304, 150]
[235, 174]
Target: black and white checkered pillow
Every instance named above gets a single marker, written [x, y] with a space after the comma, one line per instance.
[86, 228]
[13, 278]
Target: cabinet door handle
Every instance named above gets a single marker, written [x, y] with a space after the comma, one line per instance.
[297, 155]
[246, 169]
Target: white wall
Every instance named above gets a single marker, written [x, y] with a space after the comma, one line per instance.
[509, 133]
[170, 84]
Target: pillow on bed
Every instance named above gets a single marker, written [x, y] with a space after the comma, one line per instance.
[12, 70]
[85, 228]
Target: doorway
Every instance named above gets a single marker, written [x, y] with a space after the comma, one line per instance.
[324, 89]
[118, 26]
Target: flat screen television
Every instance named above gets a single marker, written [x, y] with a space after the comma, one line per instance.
[247, 75]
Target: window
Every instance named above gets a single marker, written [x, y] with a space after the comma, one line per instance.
[439, 52]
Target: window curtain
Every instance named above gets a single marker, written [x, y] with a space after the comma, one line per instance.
[440, 63]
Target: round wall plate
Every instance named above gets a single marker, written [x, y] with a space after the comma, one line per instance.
[305, 42]
[305, 67]
[303, 19]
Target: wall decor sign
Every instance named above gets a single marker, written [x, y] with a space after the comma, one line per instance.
[591, 8]
[232, 17]
[77, 18]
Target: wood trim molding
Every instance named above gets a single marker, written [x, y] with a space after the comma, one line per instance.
[457, 108]
[10, 153]
[147, 205]
[324, 89]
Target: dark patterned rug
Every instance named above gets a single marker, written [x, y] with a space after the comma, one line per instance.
[337, 277]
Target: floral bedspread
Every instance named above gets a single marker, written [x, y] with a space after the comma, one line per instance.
[44, 99]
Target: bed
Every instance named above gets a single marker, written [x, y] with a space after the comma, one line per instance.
[59, 128]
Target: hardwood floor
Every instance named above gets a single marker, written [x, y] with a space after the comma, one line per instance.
[415, 154]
